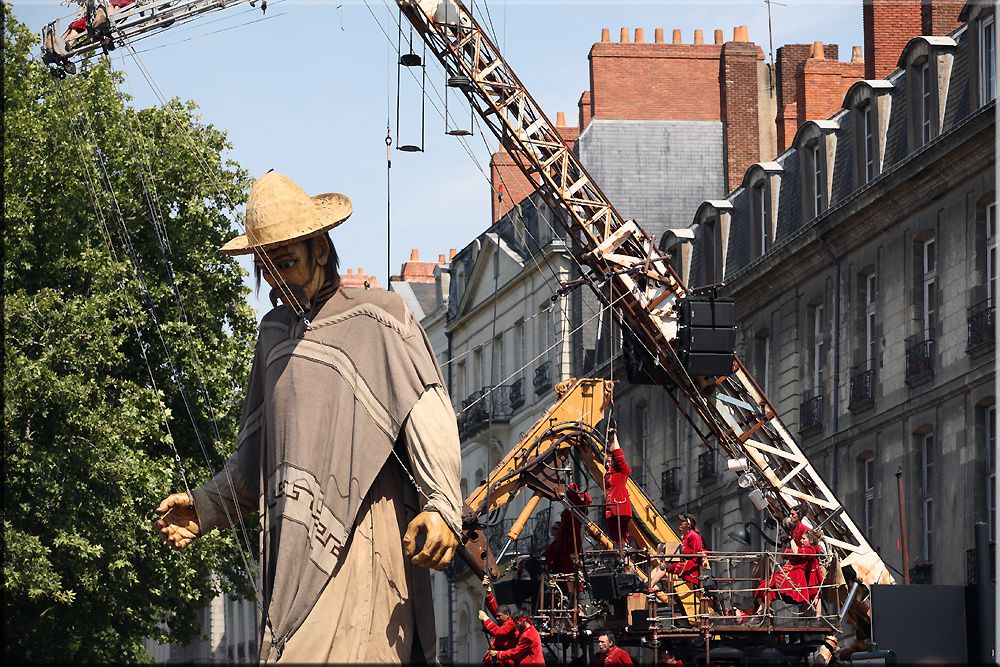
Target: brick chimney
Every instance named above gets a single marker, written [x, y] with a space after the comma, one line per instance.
[788, 63]
[351, 279]
[658, 80]
[738, 74]
[509, 184]
[939, 17]
[416, 271]
[888, 25]
[822, 83]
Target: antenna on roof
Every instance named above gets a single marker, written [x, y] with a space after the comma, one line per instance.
[770, 41]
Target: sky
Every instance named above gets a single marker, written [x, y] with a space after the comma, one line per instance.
[306, 89]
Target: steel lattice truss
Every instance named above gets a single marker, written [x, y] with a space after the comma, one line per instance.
[626, 269]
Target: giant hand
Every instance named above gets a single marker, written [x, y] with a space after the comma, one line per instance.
[178, 523]
[439, 541]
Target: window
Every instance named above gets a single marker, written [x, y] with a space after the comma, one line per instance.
[868, 148]
[463, 383]
[987, 61]
[818, 329]
[817, 168]
[868, 494]
[761, 235]
[762, 359]
[550, 333]
[521, 347]
[927, 492]
[479, 359]
[990, 435]
[871, 297]
[991, 253]
[926, 101]
[928, 281]
[501, 360]
[710, 251]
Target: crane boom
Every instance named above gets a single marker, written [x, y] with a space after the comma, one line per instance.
[621, 258]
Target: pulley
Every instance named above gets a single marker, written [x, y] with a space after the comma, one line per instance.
[410, 60]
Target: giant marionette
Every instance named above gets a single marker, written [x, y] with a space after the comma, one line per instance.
[348, 448]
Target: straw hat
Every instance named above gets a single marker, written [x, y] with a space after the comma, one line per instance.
[279, 211]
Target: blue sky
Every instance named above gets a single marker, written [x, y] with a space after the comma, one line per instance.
[306, 91]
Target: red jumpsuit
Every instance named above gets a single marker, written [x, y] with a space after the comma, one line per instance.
[567, 541]
[690, 569]
[503, 636]
[80, 24]
[798, 580]
[797, 531]
[528, 650]
[618, 507]
[616, 656]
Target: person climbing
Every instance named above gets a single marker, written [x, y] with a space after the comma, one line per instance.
[617, 504]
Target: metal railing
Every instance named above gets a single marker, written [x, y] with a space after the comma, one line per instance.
[919, 357]
[981, 330]
[542, 380]
[670, 485]
[498, 404]
[517, 394]
[708, 467]
[811, 413]
[862, 388]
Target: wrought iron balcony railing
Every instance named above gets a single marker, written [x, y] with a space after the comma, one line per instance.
[517, 394]
[981, 332]
[482, 406]
[543, 380]
[862, 389]
[708, 467]
[670, 486]
[811, 413]
[919, 357]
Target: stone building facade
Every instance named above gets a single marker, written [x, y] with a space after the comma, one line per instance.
[863, 264]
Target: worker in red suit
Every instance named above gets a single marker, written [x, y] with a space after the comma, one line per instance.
[566, 539]
[617, 505]
[799, 578]
[528, 650]
[688, 569]
[502, 635]
[610, 653]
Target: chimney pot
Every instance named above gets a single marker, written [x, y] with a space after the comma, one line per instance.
[624, 36]
[856, 55]
[350, 272]
[452, 252]
[414, 255]
[639, 39]
[361, 271]
[817, 51]
[677, 36]
[699, 38]
[718, 36]
[658, 35]
[605, 35]
[560, 119]
[441, 259]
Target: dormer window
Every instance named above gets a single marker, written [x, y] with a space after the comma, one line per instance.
[987, 60]
[816, 166]
[866, 114]
[761, 235]
[925, 105]
[713, 219]
[710, 251]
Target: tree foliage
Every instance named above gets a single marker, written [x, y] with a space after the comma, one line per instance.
[88, 426]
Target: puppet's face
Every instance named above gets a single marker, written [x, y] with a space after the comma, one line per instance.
[299, 263]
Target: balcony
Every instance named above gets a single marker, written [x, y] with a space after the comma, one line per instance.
[708, 467]
[811, 414]
[483, 406]
[670, 486]
[922, 572]
[862, 390]
[971, 564]
[981, 333]
[543, 380]
[919, 358]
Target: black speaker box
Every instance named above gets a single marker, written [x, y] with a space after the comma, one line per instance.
[707, 312]
[515, 591]
[707, 339]
[708, 363]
